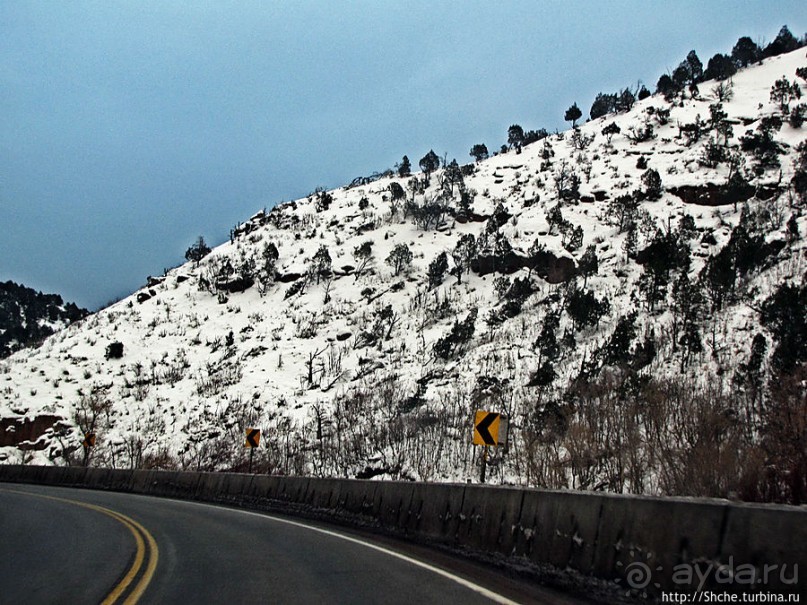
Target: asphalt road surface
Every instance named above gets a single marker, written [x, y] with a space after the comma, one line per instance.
[61, 545]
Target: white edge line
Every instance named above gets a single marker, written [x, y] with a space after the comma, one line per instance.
[493, 596]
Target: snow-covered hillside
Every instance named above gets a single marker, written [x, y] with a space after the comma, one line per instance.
[354, 364]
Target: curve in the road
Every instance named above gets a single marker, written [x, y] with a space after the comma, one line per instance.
[214, 554]
[142, 537]
[493, 596]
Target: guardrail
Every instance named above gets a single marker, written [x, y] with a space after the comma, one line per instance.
[645, 544]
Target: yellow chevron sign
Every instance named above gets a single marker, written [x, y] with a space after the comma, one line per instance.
[486, 428]
[253, 438]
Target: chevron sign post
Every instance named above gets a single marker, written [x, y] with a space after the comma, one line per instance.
[490, 428]
[253, 441]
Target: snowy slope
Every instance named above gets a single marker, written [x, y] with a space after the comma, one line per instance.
[200, 365]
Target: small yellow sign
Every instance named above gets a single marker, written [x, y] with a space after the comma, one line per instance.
[486, 428]
[89, 440]
[253, 438]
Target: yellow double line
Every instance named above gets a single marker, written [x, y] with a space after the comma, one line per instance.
[146, 551]
[139, 532]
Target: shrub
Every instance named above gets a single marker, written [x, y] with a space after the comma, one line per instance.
[400, 258]
[396, 192]
[783, 92]
[610, 130]
[461, 332]
[796, 118]
[114, 350]
[585, 309]
[324, 200]
[437, 270]
[652, 184]
[197, 251]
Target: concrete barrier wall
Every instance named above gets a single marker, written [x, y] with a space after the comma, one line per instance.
[642, 543]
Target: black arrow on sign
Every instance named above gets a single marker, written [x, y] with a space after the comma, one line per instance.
[482, 428]
[253, 437]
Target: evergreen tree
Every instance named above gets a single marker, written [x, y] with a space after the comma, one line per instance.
[695, 67]
[464, 252]
[783, 92]
[429, 163]
[362, 253]
[762, 144]
[797, 115]
[651, 180]
[617, 350]
[631, 243]
[799, 180]
[399, 258]
[437, 270]
[625, 100]
[320, 264]
[784, 42]
[547, 343]
[610, 130]
[555, 218]
[585, 309]
[573, 114]
[466, 201]
[667, 87]
[718, 277]
[268, 263]
[603, 105]
[515, 136]
[197, 251]
[622, 211]
[461, 333]
[720, 67]
[687, 311]
[452, 176]
[544, 376]
[718, 120]
[535, 254]
[785, 314]
[750, 374]
[479, 152]
[405, 168]
[589, 263]
[745, 52]
[531, 136]
[324, 200]
[396, 193]
[681, 75]
[572, 238]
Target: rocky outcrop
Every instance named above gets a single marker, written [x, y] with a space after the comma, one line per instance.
[721, 195]
[25, 433]
[553, 269]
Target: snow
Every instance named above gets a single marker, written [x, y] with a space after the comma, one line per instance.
[178, 383]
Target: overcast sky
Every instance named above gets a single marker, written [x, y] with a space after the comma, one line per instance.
[127, 129]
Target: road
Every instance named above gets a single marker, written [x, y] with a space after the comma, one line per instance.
[61, 545]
